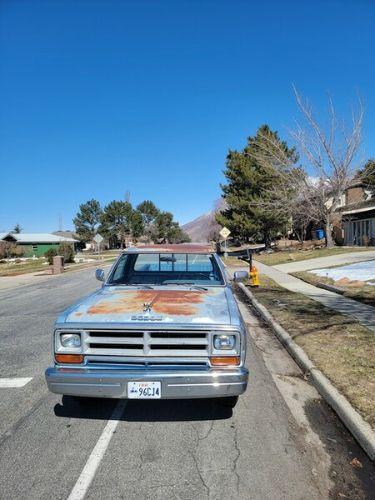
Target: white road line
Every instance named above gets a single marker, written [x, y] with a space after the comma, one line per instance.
[97, 454]
[7, 383]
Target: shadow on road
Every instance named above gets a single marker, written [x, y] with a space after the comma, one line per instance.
[144, 411]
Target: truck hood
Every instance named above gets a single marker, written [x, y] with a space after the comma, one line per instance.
[159, 305]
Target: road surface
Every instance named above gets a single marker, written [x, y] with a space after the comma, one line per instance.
[281, 441]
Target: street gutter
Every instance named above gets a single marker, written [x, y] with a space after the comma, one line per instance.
[359, 428]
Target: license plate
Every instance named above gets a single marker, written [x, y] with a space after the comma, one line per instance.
[144, 390]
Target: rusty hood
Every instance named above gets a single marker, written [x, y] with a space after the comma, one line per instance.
[157, 305]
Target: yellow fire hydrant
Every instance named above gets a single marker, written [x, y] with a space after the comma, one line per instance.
[254, 276]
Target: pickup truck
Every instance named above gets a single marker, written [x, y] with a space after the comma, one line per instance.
[164, 324]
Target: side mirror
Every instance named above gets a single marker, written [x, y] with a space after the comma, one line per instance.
[240, 275]
[99, 275]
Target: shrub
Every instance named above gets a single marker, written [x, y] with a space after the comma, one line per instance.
[50, 254]
[8, 249]
[66, 250]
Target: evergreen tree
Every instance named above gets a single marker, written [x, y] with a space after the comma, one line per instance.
[251, 188]
[87, 220]
[148, 210]
[17, 229]
[166, 230]
[368, 175]
[116, 221]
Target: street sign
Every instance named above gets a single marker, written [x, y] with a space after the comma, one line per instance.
[98, 238]
[224, 233]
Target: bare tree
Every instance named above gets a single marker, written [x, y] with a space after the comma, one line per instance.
[330, 152]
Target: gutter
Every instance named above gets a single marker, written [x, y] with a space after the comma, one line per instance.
[359, 428]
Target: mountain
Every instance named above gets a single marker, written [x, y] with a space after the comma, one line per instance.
[203, 227]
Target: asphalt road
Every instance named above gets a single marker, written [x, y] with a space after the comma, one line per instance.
[281, 441]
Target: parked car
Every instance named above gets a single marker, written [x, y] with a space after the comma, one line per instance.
[164, 324]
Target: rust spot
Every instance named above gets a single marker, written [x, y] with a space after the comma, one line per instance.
[176, 302]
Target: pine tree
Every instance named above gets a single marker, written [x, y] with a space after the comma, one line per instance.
[250, 190]
[368, 175]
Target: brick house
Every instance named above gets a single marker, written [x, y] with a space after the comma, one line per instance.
[358, 216]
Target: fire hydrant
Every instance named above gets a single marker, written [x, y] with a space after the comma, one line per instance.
[254, 276]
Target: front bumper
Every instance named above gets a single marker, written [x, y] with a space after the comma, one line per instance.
[175, 384]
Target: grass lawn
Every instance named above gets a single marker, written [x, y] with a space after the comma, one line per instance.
[365, 294]
[341, 348]
[34, 266]
[29, 266]
[284, 256]
[234, 261]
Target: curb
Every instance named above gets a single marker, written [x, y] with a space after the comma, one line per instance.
[359, 428]
[331, 288]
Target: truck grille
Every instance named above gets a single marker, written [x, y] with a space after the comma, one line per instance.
[146, 343]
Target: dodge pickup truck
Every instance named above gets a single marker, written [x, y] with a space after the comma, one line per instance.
[164, 324]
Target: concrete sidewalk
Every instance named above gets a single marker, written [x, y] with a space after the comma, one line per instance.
[362, 313]
[322, 262]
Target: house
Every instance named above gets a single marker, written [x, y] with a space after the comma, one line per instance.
[35, 243]
[358, 215]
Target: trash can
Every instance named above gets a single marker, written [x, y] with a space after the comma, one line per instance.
[319, 233]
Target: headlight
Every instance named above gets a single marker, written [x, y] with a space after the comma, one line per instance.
[70, 339]
[222, 342]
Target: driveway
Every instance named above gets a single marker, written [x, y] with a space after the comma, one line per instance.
[281, 441]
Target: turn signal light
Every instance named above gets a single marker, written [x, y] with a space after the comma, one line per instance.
[225, 360]
[69, 358]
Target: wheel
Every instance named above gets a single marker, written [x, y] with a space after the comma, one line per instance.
[228, 402]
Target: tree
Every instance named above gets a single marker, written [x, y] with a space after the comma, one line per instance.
[251, 191]
[368, 176]
[66, 250]
[17, 229]
[50, 254]
[87, 220]
[166, 230]
[330, 154]
[148, 210]
[137, 224]
[116, 221]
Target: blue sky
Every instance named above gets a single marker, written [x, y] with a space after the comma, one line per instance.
[103, 97]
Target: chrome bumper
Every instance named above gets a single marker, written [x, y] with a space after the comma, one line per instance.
[176, 384]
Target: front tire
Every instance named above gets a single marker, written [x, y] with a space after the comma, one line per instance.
[228, 402]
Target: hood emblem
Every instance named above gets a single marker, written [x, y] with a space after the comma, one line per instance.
[147, 307]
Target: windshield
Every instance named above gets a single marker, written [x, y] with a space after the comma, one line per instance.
[166, 269]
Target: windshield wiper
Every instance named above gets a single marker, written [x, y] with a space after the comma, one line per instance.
[142, 285]
[191, 285]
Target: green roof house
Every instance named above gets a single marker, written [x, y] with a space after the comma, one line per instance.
[36, 243]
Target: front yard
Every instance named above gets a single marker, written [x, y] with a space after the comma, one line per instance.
[28, 266]
[341, 348]
[13, 268]
[361, 292]
[284, 256]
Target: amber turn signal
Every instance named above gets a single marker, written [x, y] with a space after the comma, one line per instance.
[69, 358]
[225, 360]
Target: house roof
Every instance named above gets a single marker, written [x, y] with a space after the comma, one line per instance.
[36, 238]
[359, 210]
